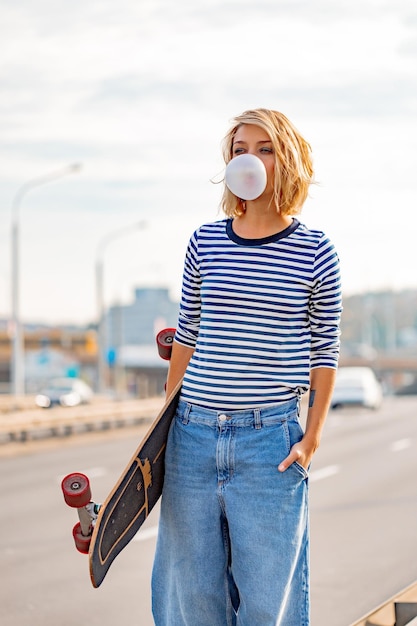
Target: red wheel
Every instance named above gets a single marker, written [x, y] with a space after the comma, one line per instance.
[164, 340]
[76, 490]
[82, 543]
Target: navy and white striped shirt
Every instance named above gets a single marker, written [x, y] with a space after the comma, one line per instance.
[259, 312]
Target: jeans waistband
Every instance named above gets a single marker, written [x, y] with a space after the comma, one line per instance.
[257, 416]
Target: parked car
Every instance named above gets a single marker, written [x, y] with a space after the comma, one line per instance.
[357, 386]
[64, 392]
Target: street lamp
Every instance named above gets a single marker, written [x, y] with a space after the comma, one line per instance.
[101, 331]
[17, 364]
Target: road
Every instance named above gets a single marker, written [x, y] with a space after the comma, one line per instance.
[363, 492]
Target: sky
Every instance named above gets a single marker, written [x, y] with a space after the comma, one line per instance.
[141, 92]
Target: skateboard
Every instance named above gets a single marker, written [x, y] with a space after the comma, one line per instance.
[103, 530]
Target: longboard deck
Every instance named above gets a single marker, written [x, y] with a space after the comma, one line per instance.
[134, 495]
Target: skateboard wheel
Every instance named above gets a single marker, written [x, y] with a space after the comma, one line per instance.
[82, 543]
[76, 490]
[164, 340]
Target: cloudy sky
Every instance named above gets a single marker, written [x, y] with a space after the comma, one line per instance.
[141, 92]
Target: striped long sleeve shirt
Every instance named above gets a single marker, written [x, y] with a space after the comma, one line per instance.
[260, 314]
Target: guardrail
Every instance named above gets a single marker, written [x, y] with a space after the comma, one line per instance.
[22, 426]
[400, 610]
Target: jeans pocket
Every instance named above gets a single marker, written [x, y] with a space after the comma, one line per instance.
[294, 433]
[300, 468]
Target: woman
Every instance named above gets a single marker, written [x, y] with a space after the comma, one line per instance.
[258, 326]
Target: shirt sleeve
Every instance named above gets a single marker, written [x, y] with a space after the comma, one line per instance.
[325, 307]
[190, 305]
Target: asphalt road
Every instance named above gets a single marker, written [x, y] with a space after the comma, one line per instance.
[363, 492]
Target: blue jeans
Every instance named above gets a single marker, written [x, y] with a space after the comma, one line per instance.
[233, 537]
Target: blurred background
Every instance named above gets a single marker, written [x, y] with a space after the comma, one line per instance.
[111, 128]
[111, 121]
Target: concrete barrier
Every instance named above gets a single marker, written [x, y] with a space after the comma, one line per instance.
[400, 610]
[9, 404]
[22, 426]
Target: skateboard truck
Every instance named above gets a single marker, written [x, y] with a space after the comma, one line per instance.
[77, 494]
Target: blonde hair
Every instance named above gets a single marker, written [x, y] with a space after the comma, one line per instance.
[293, 161]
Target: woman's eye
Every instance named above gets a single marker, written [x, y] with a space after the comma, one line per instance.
[266, 151]
[238, 151]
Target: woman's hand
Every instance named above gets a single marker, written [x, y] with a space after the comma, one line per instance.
[302, 452]
[322, 381]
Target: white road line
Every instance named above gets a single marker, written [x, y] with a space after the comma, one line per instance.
[399, 445]
[324, 472]
[146, 533]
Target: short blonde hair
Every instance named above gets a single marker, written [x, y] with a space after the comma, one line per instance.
[293, 161]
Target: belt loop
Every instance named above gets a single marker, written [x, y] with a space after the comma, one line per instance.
[298, 403]
[257, 415]
[185, 418]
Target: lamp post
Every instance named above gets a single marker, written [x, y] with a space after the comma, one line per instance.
[17, 363]
[101, 331]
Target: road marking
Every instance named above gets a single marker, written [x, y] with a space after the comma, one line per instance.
[146, 533]
[401, 444]
[324, 472]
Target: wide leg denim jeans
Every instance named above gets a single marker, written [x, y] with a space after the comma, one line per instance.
[233, 537]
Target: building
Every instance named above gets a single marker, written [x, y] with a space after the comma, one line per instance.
[133, 363]
[137, 323]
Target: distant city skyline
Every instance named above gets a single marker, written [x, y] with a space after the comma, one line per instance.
[142, 93]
